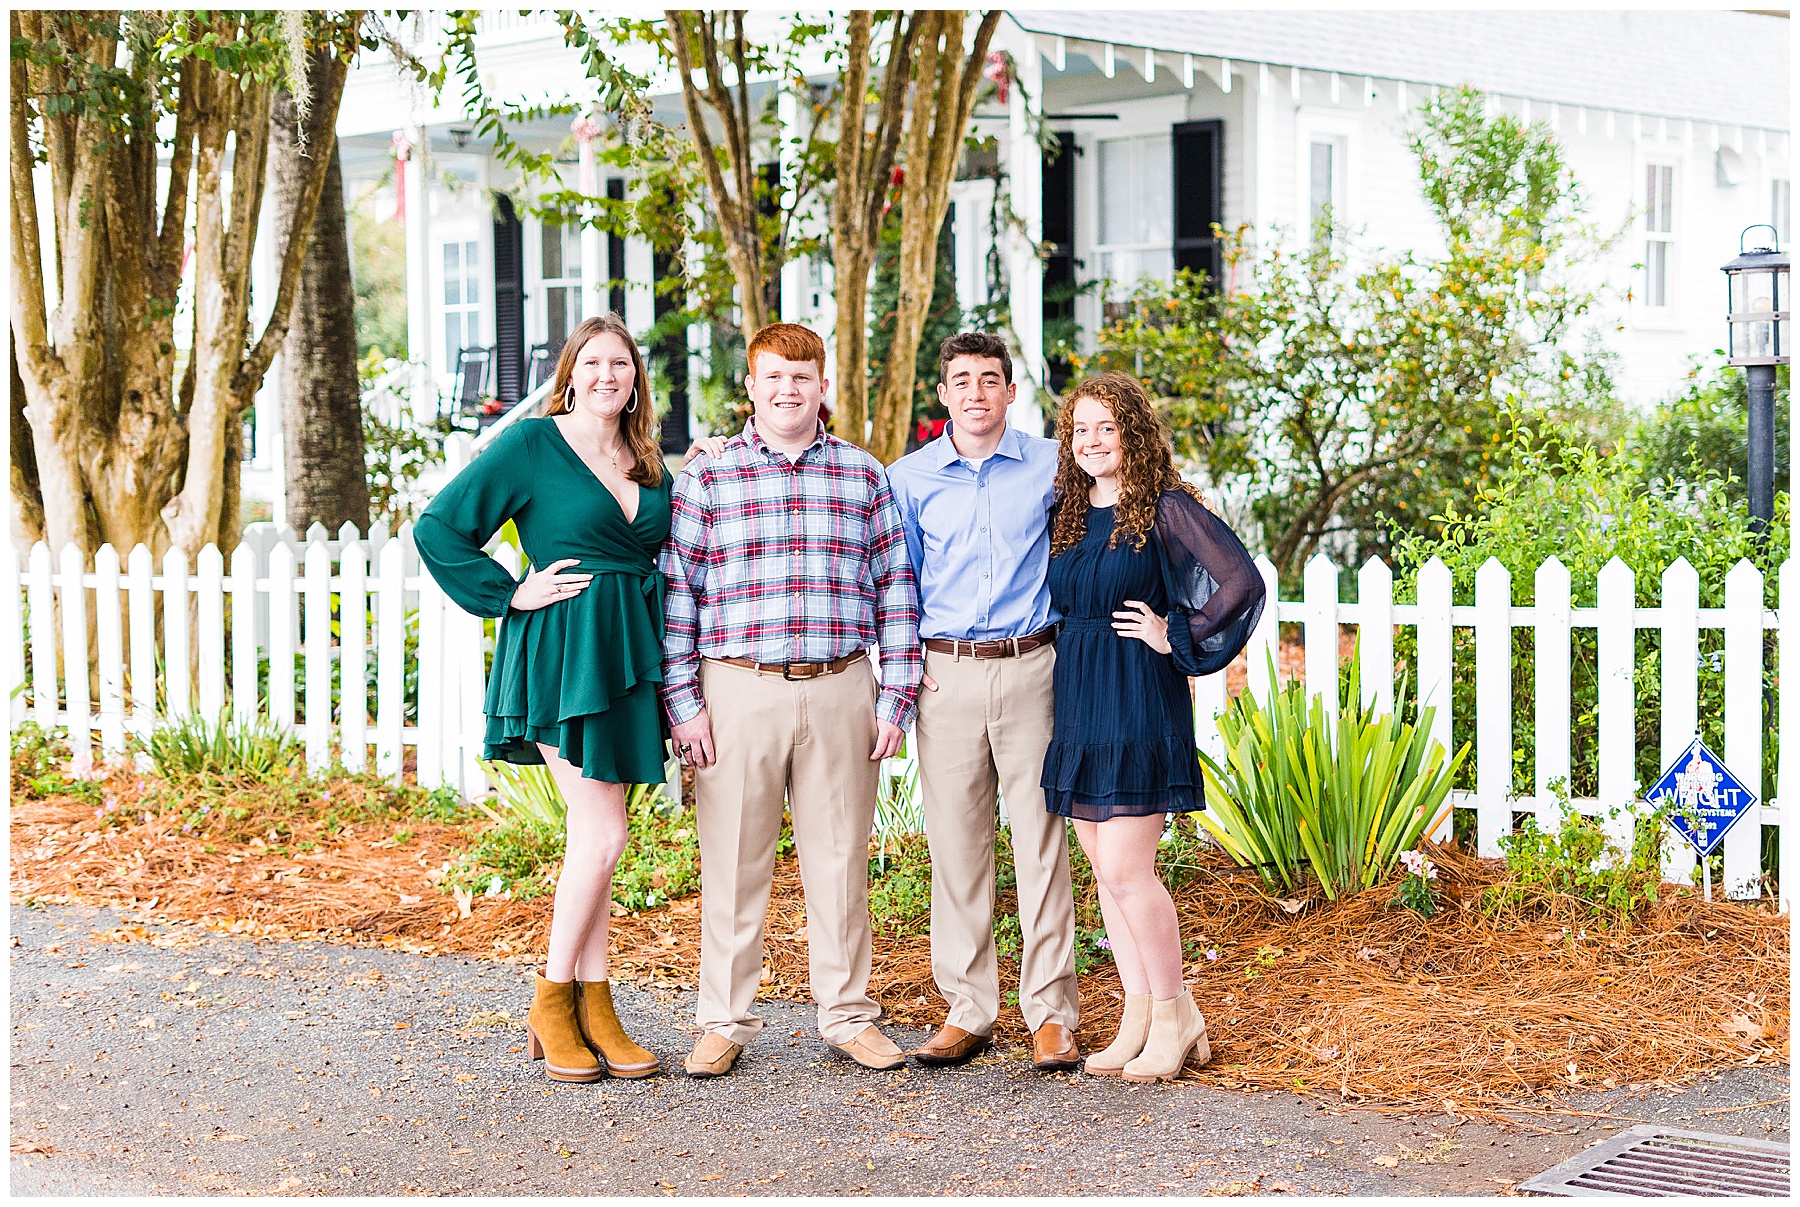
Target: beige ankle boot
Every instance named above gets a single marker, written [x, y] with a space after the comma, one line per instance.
[1177, 1034]
[553, 1033]
[1133, 1028]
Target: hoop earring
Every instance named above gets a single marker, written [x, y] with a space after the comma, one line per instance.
[569, 398]
[632, 406]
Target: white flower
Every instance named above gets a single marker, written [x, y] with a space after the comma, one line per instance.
[495, 887]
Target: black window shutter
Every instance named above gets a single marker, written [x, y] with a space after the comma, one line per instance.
[509, 302]
[769, 206]
[1199, 192]
[669, 352]
[1059, 233]
[615, 254]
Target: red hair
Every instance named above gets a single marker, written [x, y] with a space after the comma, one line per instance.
[789, 341]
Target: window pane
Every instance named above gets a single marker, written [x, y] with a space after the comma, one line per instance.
[1115, 190]
[1156, 188]
[1656, 273]
[1659, 204]
[556, 315]
[553, 250]
[1780, 199]
[571, 236]
[452, 274]
[452, 338]
[1322, 177]
[1136, 204]
[471, 274]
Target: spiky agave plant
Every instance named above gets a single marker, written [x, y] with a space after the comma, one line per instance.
[1347, 798]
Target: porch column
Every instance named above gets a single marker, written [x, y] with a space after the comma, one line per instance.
[1024, 272]
[593, 248]
[420, 345]
[795, 302]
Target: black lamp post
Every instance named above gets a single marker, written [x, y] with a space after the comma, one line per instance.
[1757, 297]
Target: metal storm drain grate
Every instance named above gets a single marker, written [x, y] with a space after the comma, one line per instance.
[1652, 1162]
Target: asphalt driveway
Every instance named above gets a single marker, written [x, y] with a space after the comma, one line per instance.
[167, 1059]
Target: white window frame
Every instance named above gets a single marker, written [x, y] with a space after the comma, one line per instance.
[542, 285]
[1781, 208]
[464, 307]
[1646, 315]
[1135, 248]
[459, 215]
[1151, 115]
[1313, 124]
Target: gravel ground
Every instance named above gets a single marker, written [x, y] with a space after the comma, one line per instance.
[167, 1059]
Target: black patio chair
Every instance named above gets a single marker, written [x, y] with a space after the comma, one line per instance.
[472, 367]
[541, 368]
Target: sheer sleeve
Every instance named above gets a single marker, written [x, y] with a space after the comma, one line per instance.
[1215, 590]
[465, 514]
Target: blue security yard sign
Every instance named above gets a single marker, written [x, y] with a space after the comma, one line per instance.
[1702, 797]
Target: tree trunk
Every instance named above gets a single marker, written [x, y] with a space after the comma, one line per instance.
[943, 98]
[27, 494]
[320, 396]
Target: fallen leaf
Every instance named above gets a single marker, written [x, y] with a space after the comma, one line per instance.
[1289, 905]
[1278, 1187]
[465, 1077]
[1388, 1162]
[1740, 1024]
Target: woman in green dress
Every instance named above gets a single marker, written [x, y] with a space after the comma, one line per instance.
[579, 655]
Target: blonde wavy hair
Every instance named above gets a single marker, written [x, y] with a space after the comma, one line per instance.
[638, 425]
[1146, 468]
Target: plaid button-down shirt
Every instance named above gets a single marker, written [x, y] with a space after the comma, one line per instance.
[788, 561]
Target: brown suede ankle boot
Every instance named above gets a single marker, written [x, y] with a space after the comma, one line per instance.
[600, 1027]
[553, 1033]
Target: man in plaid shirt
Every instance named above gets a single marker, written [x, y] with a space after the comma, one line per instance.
[786, 561]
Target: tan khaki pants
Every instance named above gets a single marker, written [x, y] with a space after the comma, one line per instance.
[809, 741]
[987, 726]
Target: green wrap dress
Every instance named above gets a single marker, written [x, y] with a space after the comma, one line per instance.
[580, 674]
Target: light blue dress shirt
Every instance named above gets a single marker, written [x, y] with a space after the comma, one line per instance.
[979, 539]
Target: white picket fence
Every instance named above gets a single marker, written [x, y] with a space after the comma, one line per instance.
[326, 608]
[341, 607]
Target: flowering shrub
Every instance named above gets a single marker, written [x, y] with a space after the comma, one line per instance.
[1415, 887]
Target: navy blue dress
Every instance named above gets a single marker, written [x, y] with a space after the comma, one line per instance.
[1123, 745]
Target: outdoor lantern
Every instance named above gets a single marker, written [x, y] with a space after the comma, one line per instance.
[1756, 295]
[1757, 292]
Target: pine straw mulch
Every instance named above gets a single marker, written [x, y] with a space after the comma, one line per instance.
[1359, 1001]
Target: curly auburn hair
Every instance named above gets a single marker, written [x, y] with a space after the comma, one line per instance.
[1146, 467]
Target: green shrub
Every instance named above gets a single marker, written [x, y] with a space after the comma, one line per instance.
[520, 856]
[1580, 860]
[228, 748]
[522, 852]
[900, 888]
[1561, 496]
[39, 763]
[1345, 799]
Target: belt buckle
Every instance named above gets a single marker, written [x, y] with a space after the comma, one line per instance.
[787, 671]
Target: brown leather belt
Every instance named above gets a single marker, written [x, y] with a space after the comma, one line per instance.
[1000, 647]
[798, 670]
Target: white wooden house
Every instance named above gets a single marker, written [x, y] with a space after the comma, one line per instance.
[1676, 124]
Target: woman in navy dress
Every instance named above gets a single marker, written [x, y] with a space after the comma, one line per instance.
[1152, 588]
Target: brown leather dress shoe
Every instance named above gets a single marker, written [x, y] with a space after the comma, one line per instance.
[951, 1046]
[872, 1050]
[713, 1056]
[1053, 1048]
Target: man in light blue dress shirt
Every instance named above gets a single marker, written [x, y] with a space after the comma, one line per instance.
[975, 505]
